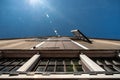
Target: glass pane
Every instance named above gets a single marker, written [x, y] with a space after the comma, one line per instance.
[68, 62]
[1, 67]
[2, 60]
[21, 63]
[6, 63]
[18, 60]
[109, 68]
[40, 68]
[117, 68]
[15, 68]
[50, 69]
[99, 62]
[59, 62]
[15, 63]
[76, 62]
[79, 68]
[51, 62]
[7, 68]
[116, 62]
[69, 68]
[108, 62]
[60, 69]
[43, 62]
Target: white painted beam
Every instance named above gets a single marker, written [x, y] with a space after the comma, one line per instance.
[62, 76]
[40, 44]
[90, 64]
[80, 45]
[29, 64]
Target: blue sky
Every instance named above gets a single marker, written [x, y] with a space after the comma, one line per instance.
[29, 18]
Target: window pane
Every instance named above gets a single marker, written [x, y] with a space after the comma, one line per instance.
[11, 64]
[68, 62]
[117, 68]
[116, 62]
[60, 69]
[1, 67]
[40, 68]
[6, 63]
[109, 68]
[22, 63]
[76, 62]
[15, 63]
[50, 69]
[51, 62]
[59, 62]
[69, 68]
[108, 62]
[99, 62]
[1, 62]
[7, 68]
[43, 62]
[15, 68]
[79, 68]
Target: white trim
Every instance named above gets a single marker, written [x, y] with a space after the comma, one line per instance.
[28, 65]
[90, 64]
[38, 45]
[61, 76]
[80, 45]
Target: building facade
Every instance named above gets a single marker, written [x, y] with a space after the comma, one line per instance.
[59, 58]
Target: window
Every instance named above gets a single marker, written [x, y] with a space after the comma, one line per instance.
[11, 65]
[40, 69]
[58, 65]
[69, 68]
[108, 64]
[50, 68]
